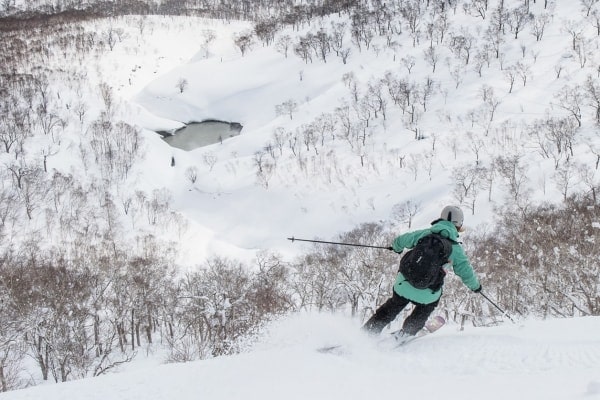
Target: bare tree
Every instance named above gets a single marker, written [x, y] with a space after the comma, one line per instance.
[210, 159]
[415, 165]
[208, 36]
[467, 184]
[283, 44]
[280, 137]
[431, 56]
[265, 29]
[588, 5]
[510, 73]
[489, 179]
[494, 38]
[337, 36]
[427, 91]
[322, 44]
[408, 62]
[457, 74]
[513, 170]
[265, 173]
[558, 68]
[476, 144]
[182, 84]
[351, 83]
[110, 37]
[288, 108]
[244, 41]
[106, 92]
[575, 29]
[560, 132]
[192, 174]
[490, 100]
[344, 54]
[592, 91]
[523, 70]
[12, 351]
[324, 124]
[50, 123]
[571, 99]
[539, 24]
[482, 59]
[477, 7]
[15, 127]
[376, 100]
[563, 177]
[412, 13]
[518, 18]
[303, 49]
[80, 109]
[499, 18]
[595, 19]
[441, 26]
[462, 44]
[405, 212]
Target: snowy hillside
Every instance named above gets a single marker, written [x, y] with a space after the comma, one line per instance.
[386, 121]
[551, 360]
[111, 240]
[347, 152]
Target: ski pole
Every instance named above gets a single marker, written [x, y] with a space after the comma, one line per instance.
[340, 243]
[497, 307]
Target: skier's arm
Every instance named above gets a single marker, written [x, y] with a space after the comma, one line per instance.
[408, 240]
[462, 268]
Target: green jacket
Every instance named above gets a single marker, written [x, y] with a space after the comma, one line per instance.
[458, 262]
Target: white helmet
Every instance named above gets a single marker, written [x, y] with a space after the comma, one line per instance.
[453, 214]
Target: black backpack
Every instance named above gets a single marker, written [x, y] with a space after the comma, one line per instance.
[422, 265]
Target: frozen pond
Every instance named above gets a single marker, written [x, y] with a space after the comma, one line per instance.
[199, 134]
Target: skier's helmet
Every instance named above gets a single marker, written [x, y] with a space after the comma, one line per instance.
[453, 214]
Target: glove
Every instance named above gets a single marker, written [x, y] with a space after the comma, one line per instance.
[478, 289]
[397, 252]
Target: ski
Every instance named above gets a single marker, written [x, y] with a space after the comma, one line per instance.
[335, 349]
[431, 326]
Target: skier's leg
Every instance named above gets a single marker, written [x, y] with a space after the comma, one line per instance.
[385, 314]
[417, 318]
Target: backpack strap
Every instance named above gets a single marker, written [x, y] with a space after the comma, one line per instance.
[442, 236]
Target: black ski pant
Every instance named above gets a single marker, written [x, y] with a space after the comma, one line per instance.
[389, 310]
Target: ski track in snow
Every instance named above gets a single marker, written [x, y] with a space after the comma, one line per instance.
[533, 360]
[501, 354]
[545, 360]
[493, 354]
[528, 347]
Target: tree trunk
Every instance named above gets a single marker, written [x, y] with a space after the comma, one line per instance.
[132, 329]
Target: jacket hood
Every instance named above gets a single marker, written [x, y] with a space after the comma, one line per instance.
[445, 228]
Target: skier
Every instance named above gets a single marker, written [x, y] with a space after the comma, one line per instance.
[425, 300]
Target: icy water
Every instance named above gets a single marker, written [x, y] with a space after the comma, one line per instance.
[200, 134]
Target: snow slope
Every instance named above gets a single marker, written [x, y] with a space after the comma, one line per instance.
[549, 360]
[334, 192]
[230, 211]
[231, 214]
